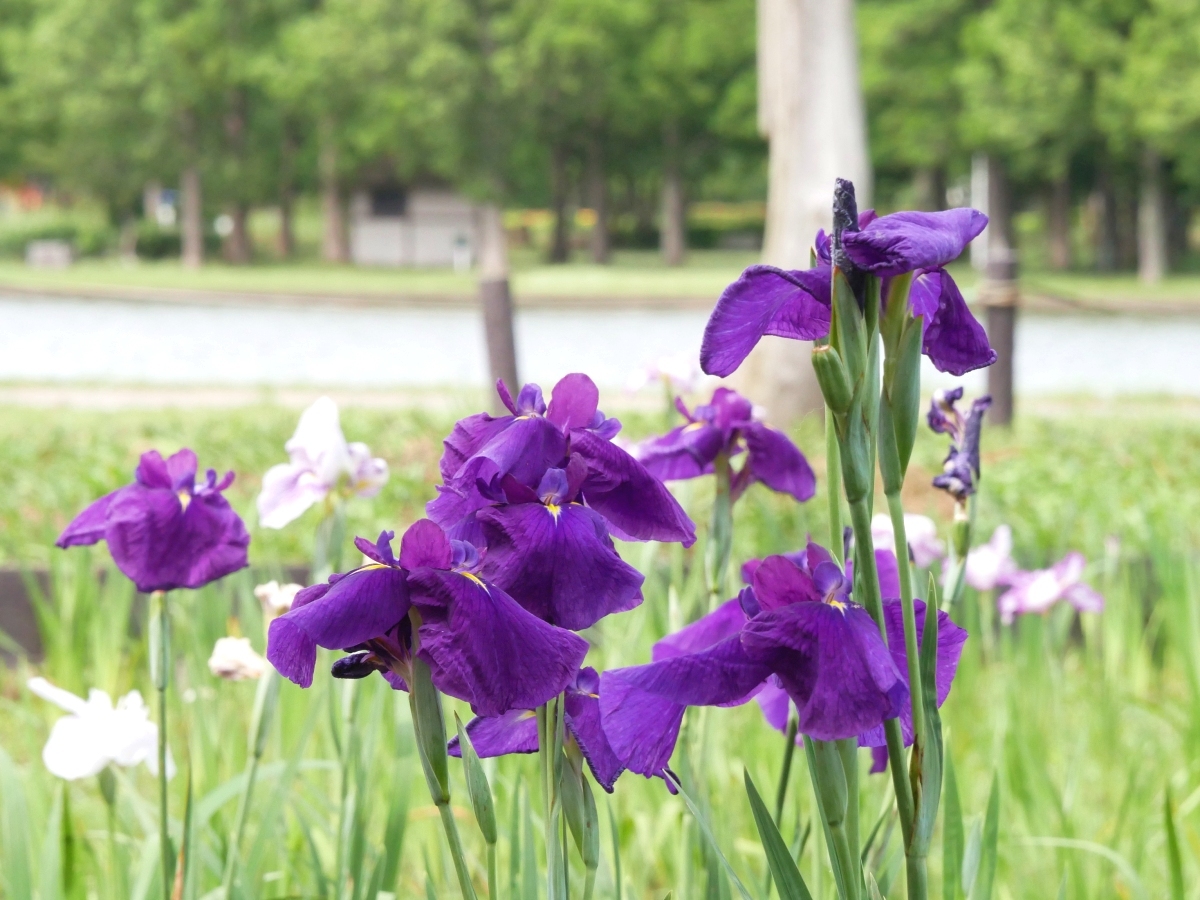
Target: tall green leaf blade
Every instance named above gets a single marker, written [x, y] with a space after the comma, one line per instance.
[706, 828]
[989, 847]
[952, 835]
[50, 883]
[15, 873]
[788, 879]
[928, 790]
[1174, 856]
[616, 851]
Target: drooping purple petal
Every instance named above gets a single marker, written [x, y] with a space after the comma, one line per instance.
[558, 563]
[357, 607]
[684, 452]
[954, 341]
[482, 647]
[583, 721]
[629, 497]
[775, 704]
[514, 732]
[777, 462]
[765, 300]
[723, 622]
[905, 241]
[642, 707]
[88, 527]
[950, 643]
[832, 662]
[525, 449]
[469, 436]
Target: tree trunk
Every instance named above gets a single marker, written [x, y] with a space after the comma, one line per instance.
[979, 200]
[672, 233]
[333, 214]
[598, 197]
[496, 299]
[237, 245]
[815, 135]
[285, 242]
[192, 225]
[999, 232]
[999, 291]
[1151, 222]
[560, 241]
[1105, 221]
[1058, 223]
[929, 186]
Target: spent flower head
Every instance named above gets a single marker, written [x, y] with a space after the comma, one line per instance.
[233, 659]
[961, 470]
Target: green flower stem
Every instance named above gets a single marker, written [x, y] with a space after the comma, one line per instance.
[493, 882]
[785, 772]
[860, 517]
[260, 724]
[720, 533]
[160, 669]
[916, 689]
[833, 479]
[429, 727]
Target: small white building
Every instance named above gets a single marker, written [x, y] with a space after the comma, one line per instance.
[420, 226]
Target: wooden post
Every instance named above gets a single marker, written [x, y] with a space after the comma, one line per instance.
[1002, 299]
[496, 299]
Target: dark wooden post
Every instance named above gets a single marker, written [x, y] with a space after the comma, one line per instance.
[1001, 296]
[496, 299]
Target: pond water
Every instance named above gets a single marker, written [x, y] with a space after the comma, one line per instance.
[105, 341]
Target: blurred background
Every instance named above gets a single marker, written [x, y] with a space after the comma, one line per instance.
[289, 193]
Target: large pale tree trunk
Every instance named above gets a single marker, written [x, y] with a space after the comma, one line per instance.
[192, 216]
[672, 235]
[333, 213]
[810, 109]
[496, 299]
[1151, 222]
[598, 197]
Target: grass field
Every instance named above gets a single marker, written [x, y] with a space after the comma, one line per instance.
[1086, 724]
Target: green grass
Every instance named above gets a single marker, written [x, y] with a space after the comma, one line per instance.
[633, 274]
[1086, 723]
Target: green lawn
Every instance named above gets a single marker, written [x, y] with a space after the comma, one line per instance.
[633, 274]
[1085, 724]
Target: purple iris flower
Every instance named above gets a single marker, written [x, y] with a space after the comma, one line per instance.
[796, 627]
[839, 674]
[726, 425]
[166, 530]
[961, 468]
[553, 554]
[480, 645]
[516, 731]
[483, 451]
[796, 304]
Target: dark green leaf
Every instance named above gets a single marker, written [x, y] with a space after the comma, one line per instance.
[787, 876]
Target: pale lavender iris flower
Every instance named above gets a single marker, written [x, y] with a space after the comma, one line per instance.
[167, 530]
[727, 425]
[991, 565]
[1039, 591]
[321, 461]
[921, 531]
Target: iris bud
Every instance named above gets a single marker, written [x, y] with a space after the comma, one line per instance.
[832, 377]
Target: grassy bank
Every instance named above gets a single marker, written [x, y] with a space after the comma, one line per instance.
[1085, 723]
